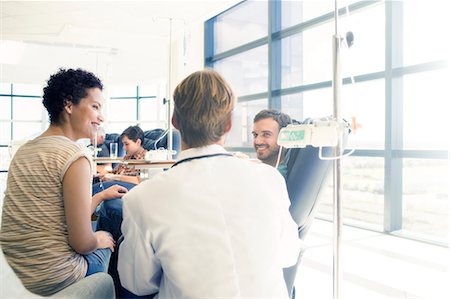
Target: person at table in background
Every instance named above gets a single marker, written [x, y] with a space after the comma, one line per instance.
[132, 139]
[110, 213]
[214, 225]
[101, 151]
[266, 126]
[46, 233]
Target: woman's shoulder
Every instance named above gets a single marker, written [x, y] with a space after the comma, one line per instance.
[60, 145]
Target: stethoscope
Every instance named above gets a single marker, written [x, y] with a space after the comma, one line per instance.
[201, 157]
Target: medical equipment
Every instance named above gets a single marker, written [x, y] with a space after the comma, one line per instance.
[320, 133]
[160, 154]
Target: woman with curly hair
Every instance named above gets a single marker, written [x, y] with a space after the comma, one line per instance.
[46, 233]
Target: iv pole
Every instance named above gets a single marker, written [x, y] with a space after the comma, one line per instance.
[337, 215]
[169, 100]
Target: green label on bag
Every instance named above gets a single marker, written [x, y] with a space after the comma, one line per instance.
[297, 135]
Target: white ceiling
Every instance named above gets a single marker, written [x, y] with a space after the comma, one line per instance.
[122, 41]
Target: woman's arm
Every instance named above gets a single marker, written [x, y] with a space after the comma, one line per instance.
[115, 191]
[77, 206]
[128, 178]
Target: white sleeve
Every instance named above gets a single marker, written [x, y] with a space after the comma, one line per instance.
[139, 270]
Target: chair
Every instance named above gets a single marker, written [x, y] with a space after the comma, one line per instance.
[306, 175]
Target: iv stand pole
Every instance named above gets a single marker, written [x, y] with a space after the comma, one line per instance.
[337, 216]
[169, 98]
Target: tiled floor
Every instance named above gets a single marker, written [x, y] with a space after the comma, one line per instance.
[374, 265]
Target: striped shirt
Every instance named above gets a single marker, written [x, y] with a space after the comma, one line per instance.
[33, 234]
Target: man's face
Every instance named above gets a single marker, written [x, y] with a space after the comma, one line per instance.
[265, 135]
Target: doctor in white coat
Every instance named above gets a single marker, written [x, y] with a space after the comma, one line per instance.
[213, 226]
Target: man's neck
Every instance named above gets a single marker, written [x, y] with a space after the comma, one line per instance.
[273, 160]
[220, 142]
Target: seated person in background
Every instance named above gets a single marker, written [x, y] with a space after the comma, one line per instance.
[132, 139]
[46, 233]
[101, 150]
[110, 214]
[213, 225]
[266, 126]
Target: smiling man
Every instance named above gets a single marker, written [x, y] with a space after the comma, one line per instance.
[266, 126]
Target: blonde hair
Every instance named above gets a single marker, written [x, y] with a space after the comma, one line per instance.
[203, 105]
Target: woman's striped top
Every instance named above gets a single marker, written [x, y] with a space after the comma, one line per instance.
[33, 234]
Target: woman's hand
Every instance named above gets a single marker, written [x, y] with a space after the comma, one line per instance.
[104, 240]
[115, 191]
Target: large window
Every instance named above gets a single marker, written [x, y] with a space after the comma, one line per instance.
[395, 86]
[22, 114]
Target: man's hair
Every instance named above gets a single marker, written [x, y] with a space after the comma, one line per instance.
[101, 132]
[281, 118]
[133, 133]
[67, 85]
[203, 105]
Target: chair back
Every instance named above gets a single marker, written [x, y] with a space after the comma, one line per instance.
[305, 179]
[306, 175]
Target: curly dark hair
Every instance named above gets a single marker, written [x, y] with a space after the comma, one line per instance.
[67, 85]
[133, 133]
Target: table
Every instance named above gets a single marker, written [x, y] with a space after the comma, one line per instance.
[143, 165]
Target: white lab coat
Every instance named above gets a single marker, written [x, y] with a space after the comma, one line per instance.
[209, 227]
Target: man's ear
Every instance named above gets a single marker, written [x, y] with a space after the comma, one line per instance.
[229, 124]
[174, 122]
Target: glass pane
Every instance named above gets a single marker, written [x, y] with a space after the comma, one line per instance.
[5, 108]
[5, 132]
[122, 110]
[426, 101]
[241, 24]
[367, 53]
[4, 165]
[306, 57]
[424, 23]
[243, 114]
[26, 130]
[425, 198]
[362, 192]
[27, 109]
[146, 126]
[5, 88]
[148, 90]
[246, 72]
[152, 110]
[365, 103]
[294, 12]
[4, 161]
[28, 89]
[118, 127]
[292, 105]
[122, 91]
[317, 103]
